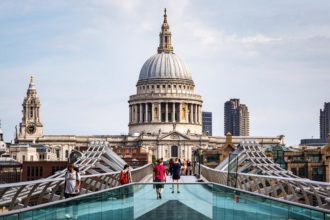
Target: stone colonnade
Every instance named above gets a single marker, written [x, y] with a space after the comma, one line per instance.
[166, 112]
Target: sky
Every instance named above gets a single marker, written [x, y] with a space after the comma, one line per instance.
[86, 57]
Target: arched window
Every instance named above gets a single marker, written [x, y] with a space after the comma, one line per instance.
[174, 151]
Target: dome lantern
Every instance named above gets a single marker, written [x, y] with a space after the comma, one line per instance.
[165, 44]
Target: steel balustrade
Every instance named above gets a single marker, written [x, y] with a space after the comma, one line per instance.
[99, 166]
[257, 173]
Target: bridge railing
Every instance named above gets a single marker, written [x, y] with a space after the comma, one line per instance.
[313, 193]
[140, 174]
[31, 193]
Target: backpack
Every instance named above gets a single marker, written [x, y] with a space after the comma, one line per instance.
[77, 171]
[159, 172]
[123, 178]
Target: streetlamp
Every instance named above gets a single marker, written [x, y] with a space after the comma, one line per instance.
[195, 161]
[200, 153]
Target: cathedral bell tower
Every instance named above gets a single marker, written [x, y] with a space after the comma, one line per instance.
[30, 128]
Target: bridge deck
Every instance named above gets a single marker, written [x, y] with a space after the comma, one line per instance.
[183, 179]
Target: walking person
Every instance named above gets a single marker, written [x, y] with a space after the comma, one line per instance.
[72, 188]
[176, 174]
[125, 176]
[189, 164]
[159, 175]
[184, 167]
[170, 167]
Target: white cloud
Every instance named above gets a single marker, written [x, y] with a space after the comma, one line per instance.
[87, 57]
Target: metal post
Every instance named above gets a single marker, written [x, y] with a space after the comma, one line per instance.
[199, 166]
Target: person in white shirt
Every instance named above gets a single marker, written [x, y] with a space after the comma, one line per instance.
[72, 182]
[72, 189]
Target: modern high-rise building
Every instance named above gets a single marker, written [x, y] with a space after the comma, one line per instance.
[325, 121]
[207, 123]
[236, 118]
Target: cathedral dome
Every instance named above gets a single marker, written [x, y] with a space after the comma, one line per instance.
[164, 66]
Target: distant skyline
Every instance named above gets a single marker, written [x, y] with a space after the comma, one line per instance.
[86, 57]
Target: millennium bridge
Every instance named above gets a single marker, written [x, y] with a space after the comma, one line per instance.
[246, 185]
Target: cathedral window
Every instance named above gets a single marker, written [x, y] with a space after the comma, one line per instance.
[66, 154]
[152, 86]
[157, 86]
[169, 86]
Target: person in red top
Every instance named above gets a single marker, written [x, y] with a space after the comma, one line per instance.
[159, 175]
[125, 175]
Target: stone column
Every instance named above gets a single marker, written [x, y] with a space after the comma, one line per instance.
[166, 112]
[187, 110]
[179, 113]
[191, 114]
[173, 112]
[130, 114]
[198, 119]
[146, 112]
[152, 112]
[141, 116]
[136, 115]
[159, 112]
[195, 111]
[199, 114]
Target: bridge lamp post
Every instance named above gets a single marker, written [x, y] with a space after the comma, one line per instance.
[200, 153]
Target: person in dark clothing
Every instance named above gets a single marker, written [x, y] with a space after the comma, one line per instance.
[189, 171]
[176, 169]
[170, 166]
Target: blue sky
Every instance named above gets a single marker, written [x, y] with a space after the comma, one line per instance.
[86, 57]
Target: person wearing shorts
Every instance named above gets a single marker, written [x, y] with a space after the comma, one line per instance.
[176, 169]
[159, 176]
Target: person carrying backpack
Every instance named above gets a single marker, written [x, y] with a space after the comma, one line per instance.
[125, 175]
[159, 175]
[72, 181]
[71, 189]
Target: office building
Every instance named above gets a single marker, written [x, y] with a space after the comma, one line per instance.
[236, 118]
[325, 121]
[207, 123]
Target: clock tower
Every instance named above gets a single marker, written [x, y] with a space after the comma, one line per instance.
[30, 128]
